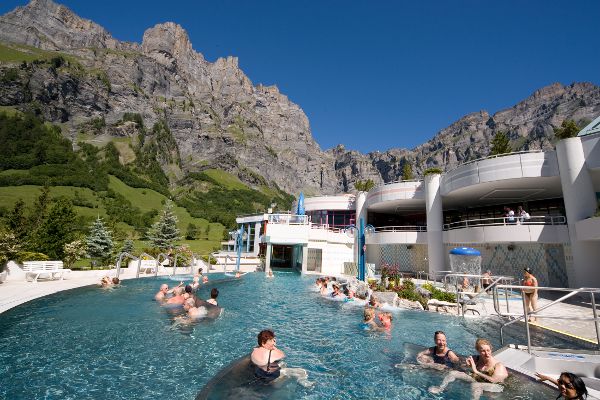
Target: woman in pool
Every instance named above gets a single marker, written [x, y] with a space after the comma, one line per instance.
[265, 357]
[570, 385]
[487, 372]
[385, 318]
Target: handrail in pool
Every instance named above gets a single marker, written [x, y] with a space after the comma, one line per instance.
[526, 313]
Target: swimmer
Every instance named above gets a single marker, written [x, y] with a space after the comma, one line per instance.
[188, 291]
[237, 274]
[214, 293]
[336, 291]
[195, 283]
[105, 282]
[369, 319]
[270, 274]
[265, 357]
[570, 385]
[116, 281]
[194, 312]
[386, 320]
[177, 296]
[487, 372]
[373, 302]
[161, 295]
[438, 356]
[204, 279]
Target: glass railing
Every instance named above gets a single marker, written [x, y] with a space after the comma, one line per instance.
[288, 219]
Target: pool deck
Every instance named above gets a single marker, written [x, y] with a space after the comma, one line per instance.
[16, 290]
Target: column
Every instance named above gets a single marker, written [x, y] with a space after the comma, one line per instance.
[580, 203]
[435, 219]
[268, 258]
[361, 212]
[304, 258]
[257, 230]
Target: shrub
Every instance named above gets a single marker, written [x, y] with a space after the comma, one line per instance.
[432, 170]
[440, 295]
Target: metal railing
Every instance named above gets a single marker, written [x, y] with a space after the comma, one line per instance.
[459, 290]
[288, 219]
[507, 221]
[536, 313]
[401, 228]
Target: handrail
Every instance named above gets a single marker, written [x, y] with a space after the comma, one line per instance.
[123, 254]
[401, 228]
[495, 280]
[502, 221]
[526, 313]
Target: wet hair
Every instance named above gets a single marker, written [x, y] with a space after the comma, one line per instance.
[265, 335]
[188, 288]
[214, 293]
[387, 314]
[115, 281]
[368, 314]
[482, 342]
[439, 333]
[200, 271]
[577, 383]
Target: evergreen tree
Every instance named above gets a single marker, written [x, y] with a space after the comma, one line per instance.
[40, 208]
[164, 232]
[364, 186]
[407, 173]
[99, 241]
[17, 222]
[567, 130]
[192, 232]
[57, 230]
[127, 247]
[500, 144]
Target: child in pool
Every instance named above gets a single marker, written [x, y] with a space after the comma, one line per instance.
[386, 320]
[369, 319]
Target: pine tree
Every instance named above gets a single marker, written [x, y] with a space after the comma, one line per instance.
[407, 173]
[99, 241]
[164, 233]
[567, 130]
[192, 232]
[57, 230]
[17, 222]
[127, 247]
[500, 144]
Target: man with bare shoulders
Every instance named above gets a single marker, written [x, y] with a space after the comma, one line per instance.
[177, 296]
[161, 295]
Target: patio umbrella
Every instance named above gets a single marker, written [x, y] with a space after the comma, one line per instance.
[300, 210]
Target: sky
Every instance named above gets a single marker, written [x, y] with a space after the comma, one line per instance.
[380, 74]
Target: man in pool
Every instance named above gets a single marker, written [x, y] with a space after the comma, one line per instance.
[161, 295]
[177, 296]
[214, 293]
[440, 356]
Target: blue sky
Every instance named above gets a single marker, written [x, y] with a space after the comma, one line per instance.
[375, 75]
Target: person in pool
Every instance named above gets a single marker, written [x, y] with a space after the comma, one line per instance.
[177, 296]
[570, 385]
[385, 318]
[440, 354]
[369, 319]
[487, 372]
[265, 357]
[214, 293]
[373, 302]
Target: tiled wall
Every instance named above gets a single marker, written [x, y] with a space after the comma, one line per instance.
[547, 261]
[411, 258]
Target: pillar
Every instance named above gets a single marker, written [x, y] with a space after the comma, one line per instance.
[580, 203]
[361, 212]
[268, 258]
[435, 220]
[304, 258]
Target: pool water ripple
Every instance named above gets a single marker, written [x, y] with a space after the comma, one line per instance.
[120, 344]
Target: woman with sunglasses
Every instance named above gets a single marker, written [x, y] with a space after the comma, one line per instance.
[570, 385]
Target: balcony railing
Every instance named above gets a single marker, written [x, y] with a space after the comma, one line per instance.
[510, 221]
[401, 228]
[288, 219]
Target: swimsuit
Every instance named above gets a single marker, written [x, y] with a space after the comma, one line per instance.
[488, 372]
[529, 282]
[444, 360]
[271, 373]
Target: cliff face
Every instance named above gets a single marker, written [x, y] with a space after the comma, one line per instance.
[218, 118]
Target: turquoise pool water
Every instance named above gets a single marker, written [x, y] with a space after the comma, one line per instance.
[120, 344]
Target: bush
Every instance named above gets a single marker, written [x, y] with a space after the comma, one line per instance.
[432, 170]
[440, 295]
[31, 256]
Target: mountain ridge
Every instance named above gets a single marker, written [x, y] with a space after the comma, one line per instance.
[219, 118]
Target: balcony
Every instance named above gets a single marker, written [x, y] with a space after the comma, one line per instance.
[542, 229]
[405, 234]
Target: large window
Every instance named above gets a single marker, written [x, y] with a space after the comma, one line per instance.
[333, 218]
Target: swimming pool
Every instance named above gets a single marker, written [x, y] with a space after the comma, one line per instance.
[120, 344]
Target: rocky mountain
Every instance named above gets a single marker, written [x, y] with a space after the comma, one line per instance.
[215, 117]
